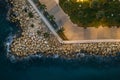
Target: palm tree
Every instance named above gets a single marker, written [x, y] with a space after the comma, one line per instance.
[36, 1]
[51, 17]
[43, 7]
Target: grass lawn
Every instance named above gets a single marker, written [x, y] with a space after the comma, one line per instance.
[93, 13]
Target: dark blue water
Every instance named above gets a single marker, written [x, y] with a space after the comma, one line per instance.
[48, 69]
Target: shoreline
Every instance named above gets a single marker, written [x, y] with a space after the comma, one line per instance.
[38, 66]
[50, 46]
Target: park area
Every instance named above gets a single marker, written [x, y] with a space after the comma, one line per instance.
[92, 13]
[103, 25]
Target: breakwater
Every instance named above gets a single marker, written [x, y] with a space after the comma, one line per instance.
[37, 38]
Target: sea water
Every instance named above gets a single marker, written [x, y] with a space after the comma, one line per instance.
[47, 68]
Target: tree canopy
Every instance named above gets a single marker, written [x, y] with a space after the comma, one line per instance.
[93, 13]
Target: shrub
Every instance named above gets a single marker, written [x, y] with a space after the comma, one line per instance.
[30, 14]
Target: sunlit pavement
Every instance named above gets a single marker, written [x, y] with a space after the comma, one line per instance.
[73, 32]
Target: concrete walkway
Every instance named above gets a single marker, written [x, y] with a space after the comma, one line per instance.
[45, 20]
[73, 41]
[74, 32]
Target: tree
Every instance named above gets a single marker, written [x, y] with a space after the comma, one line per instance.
[43, 7]
[100, 14]
[46, 35]
[51, 17]
[94, 4]
[32, 25]
[39, 32]
[36, 1]
[30, 14]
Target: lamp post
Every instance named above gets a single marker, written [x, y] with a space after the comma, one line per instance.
[80, 0]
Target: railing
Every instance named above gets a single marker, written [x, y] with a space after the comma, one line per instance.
[46, 21]
[59, 38]
[91, 41]
[42, 8]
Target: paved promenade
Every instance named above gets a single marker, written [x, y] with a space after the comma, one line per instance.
[73, 32]
[34, 40]
[85, 35]
[45, 20]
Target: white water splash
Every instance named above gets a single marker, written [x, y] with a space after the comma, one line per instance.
[9, 41]
[7, 44]
[56, 56]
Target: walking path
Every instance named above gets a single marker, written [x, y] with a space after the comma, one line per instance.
[45, 20]
[89, 35]
[72, 31]
[32, 43]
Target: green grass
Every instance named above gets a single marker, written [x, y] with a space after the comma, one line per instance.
[93, 13]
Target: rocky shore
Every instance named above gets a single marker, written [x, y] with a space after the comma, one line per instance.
[36, 37]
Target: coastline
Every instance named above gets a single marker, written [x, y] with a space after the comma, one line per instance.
[42, 67]
[50, 46]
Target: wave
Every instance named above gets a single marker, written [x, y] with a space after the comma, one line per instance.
[9, 7]
[83, 58]
[7, 44]
[13, 58]
[8, 41]
[8, 15]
